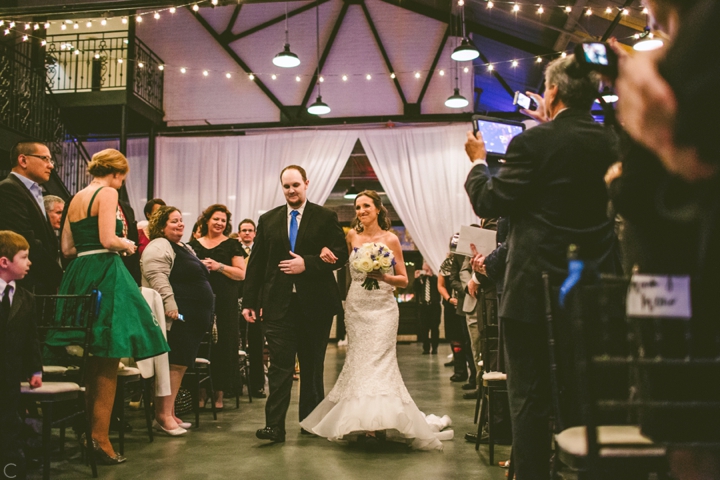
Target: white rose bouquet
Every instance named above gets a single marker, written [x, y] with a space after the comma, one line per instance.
[372, 257]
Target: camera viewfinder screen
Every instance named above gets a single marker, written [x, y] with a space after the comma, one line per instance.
[596, 53]
[497, 136]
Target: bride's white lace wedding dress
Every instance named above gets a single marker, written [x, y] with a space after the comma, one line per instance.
[370, 394]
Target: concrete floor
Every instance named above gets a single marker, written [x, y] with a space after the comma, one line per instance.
[227, 448]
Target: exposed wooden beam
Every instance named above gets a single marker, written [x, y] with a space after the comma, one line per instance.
[430, 74]
[274, 21]
[382, 50]
[226, 46]
[325, 53]
[233, 19]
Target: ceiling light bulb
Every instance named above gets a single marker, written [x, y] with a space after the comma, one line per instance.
[442, 73]
[645, 11]
[251, 77]
[124, 20]
[120, 60]
[514, 63]
[88, 24]
[539, 60]
[589, 12]
[7, 31]
[563, 54]
[568, 9]
[156, 16]
[63, 27]
[76, 26]
[466, 69]
[43, 43]
[297, 78]
[273, 76]
[465, 52]
[456, 100]
[183, 70]
[392, 75]
[103, 22]
[214, 2]
[490, 5]
[196, 8]
[344, 78]
[516, 8]
[36, 27]
[322, 79]
[138, 19]
[172, 10]
[205, 73]
[540, 10]
[97, 56]
[12, 24]
[47, 25]
[608, 10]
[461, 3]
[227, 75]
[625, 11]
[490, 68]
[369, 77]
[27, 26]
[24, 38]
[417, 74]
[286, 58]
[161, 67]
[319, 107]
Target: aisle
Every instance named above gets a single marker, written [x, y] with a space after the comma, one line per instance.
[228, 449]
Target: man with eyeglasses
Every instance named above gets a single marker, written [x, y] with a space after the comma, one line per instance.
[252, 335]
[23, 212]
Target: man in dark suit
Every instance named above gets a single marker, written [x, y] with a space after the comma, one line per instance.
[294, 292]
[429, 308]
[23, 212]
[551, 188]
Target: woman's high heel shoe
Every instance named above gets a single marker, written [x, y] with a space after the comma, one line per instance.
[173, 433]
[104, 457]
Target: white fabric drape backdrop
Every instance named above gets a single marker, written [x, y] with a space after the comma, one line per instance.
[242, 172]
[423, 171]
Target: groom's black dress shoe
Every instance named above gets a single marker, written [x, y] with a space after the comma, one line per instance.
[458, 378]
[273, 434]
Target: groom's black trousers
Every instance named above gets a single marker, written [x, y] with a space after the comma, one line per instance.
[295, 334]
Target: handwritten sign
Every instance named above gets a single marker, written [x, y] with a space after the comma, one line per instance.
[666, 296]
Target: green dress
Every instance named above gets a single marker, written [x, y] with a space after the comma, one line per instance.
[125, 326]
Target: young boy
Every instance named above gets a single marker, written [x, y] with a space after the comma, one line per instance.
[20, 356]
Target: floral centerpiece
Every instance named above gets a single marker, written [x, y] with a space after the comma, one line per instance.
[373, 257]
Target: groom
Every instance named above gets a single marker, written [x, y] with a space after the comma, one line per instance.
[293, 292]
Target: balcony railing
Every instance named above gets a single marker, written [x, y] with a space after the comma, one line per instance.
[92, 62]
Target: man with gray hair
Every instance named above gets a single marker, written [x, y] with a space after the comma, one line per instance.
[54, 206]
[551, 189]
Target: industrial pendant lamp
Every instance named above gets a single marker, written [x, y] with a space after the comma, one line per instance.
[647, 41]
[286, 58]
[466, 51]
[456, 100]
[319, 107]
[352, 192]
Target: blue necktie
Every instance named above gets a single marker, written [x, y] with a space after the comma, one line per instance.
[293, 228]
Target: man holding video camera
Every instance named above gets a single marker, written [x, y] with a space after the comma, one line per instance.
[551, 189]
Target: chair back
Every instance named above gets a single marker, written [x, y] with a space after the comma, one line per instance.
[490, 330]
[58, 314]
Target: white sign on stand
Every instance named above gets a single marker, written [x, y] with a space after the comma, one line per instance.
[660, 296]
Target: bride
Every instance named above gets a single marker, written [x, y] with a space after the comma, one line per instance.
[369, 401]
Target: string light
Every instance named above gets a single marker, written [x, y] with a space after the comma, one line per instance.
[161, 67]
[138, 19]
[88, 24]
[625, 11]
[63, 27]
[442, 73]
[251, 77]
[7, 31]
[36, 27]
[2, 22]
[183, 70]
[490, 5]
[563, 54]
[214, 2]
[274, 77]
[141, 65]
[322, 79]
[12, 24]
[466, 69]
[76, 26]
[47, 25]
[172, 10]
[27, 26]
[540, 10]
[369, 77]
[344, 78]
[490, 68]
[24, 38]
[297, 78]
[516, 8]
[97, 56]
[103, 22]
[156, 16]
[589, 12]
[461, 3]
[124, 20]
[120, 60]
[514, 63]
[392, 75]
[77, 52]
[417, 74]
[205, 73]
[609, 10]
[568, 9]
[43, 43]
[196, 8]
[227, 75]
[645, 11]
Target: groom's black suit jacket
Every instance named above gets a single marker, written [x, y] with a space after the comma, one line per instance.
[269, 288]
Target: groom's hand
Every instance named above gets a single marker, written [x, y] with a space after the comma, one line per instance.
[249, 315]
[294, 266]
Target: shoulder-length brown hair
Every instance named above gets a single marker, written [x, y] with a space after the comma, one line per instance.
[158, 221]
[382, 219]
[207, 215]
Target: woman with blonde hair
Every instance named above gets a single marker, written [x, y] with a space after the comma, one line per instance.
[125, 327]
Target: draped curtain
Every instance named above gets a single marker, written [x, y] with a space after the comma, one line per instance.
[423, 171]
[242, 172]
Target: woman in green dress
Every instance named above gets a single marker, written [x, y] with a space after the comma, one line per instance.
[125, 326]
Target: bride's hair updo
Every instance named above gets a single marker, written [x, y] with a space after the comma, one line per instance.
[382, 219]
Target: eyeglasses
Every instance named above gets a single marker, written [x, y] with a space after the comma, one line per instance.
[44, 158]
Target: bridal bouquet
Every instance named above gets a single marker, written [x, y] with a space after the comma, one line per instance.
[372, 257]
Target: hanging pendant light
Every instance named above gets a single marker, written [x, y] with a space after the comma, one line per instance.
[352, 192]
[319, 107]
[466, 51]
[286, 58]
[647, 41]
[456, 100]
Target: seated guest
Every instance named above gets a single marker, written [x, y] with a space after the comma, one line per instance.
[23, 212]
[224, 258]
[552, 190]
[143, 232]
[20, 357]
[172, 269]
[54, 206]
[124, 326]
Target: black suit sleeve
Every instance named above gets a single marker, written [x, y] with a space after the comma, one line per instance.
[499, 195]
[333, 232]
[495, 262]
[255, 272]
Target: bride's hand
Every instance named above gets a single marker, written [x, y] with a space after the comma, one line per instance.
[327, 256]
[377, 275]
